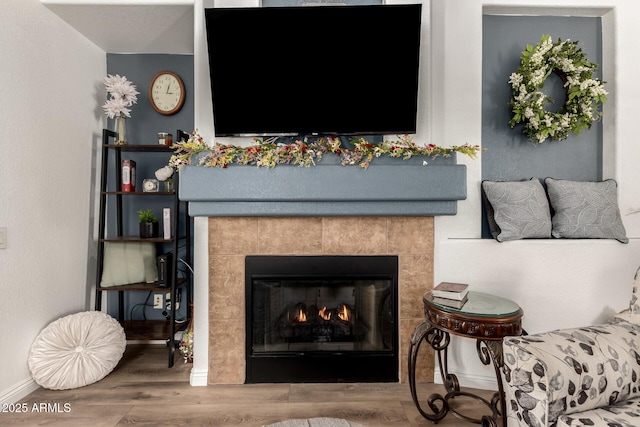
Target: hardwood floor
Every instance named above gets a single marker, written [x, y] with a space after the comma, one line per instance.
[143, 391]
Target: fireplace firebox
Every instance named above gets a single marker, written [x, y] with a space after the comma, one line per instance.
[321, 319]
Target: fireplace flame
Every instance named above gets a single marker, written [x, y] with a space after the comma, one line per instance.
[343, 313]
[326, 315]
[301, 316]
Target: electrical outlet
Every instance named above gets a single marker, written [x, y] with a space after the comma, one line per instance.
[157, 301]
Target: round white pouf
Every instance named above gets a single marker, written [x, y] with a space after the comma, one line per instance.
[76, 350]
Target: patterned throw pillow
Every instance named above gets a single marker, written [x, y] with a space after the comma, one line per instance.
[632, 315]
[517, 209]
[634, 305]
[585, 210]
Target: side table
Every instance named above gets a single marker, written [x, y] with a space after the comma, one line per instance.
[484, 317]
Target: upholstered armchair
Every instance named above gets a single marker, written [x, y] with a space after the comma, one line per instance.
[586, 376]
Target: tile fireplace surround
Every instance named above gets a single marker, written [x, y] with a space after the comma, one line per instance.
[328, 209]
[232, 238]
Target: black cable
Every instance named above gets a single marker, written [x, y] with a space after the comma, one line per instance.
[144, 305]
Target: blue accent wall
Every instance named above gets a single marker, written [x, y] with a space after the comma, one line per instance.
[143, 128]
[145, 122]
[509, 156]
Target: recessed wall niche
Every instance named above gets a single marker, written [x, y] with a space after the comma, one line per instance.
[509, 156]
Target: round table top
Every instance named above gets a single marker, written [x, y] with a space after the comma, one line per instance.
[480, 304]
[483, 316]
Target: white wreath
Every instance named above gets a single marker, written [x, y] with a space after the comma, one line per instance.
[585, 94]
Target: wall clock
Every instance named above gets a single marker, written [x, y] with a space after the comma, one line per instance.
[166, 92]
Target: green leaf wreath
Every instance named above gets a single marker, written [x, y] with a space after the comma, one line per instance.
[585, 94]
[267, 153]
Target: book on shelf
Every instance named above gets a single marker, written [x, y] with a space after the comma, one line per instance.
[449, 290]
[453, 303]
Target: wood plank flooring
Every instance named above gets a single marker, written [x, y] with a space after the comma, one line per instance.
[142, 391]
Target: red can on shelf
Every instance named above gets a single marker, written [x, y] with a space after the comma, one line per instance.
[128, 176]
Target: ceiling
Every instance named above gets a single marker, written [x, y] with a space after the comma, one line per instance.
[131, 26]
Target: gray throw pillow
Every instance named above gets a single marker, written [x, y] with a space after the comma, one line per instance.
[517, 209]
[585, 210]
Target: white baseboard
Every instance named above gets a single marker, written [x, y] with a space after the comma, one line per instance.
[18, 391]
[482, 382]
[199, 378]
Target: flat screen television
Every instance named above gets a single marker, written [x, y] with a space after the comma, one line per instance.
[314, 70]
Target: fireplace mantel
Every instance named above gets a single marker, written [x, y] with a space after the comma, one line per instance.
[389, 186]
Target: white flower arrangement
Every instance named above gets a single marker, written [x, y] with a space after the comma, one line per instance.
[585, 94]
[122, 95]
[164, 173]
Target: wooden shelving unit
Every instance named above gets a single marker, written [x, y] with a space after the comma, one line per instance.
[142, 329]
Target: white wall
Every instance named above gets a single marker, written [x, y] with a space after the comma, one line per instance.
[50, 119]
[557, 283]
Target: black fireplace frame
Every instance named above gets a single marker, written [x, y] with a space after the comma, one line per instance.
[322, 366]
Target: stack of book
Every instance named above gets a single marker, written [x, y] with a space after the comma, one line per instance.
[450, 294]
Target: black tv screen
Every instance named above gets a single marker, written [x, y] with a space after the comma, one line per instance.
[325, 70]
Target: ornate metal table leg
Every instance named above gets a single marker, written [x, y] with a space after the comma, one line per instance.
[439, 341]
[491, 351]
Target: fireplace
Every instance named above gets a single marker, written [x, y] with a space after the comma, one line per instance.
[229, 240]
[321, 319]
[328, 209]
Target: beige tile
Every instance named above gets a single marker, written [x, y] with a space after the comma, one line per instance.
[416, 267]
[226, 352]
[411, 305]
[355, 236]
[410, 235]
[226, 287]
[226, 302]
[415, 278]
[226, 265]
[425, 362]
[233, 236]
[290, 235]
[228, 372]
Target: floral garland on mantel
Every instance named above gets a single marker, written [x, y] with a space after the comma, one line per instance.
[267, 153]
[585, 94]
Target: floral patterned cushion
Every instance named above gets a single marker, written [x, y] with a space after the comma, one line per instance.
[632, 315]
[569, 371]
[626, 414]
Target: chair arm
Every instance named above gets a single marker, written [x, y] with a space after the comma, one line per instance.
[570, 370]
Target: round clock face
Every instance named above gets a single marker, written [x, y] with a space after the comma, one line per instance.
[150, 185]
[166, 92]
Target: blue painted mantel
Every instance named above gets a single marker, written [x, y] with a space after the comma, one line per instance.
[389, 187]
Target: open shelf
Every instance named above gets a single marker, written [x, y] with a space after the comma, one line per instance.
[140, 193]
[148, 330]
[142, 286]
[136, 239]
